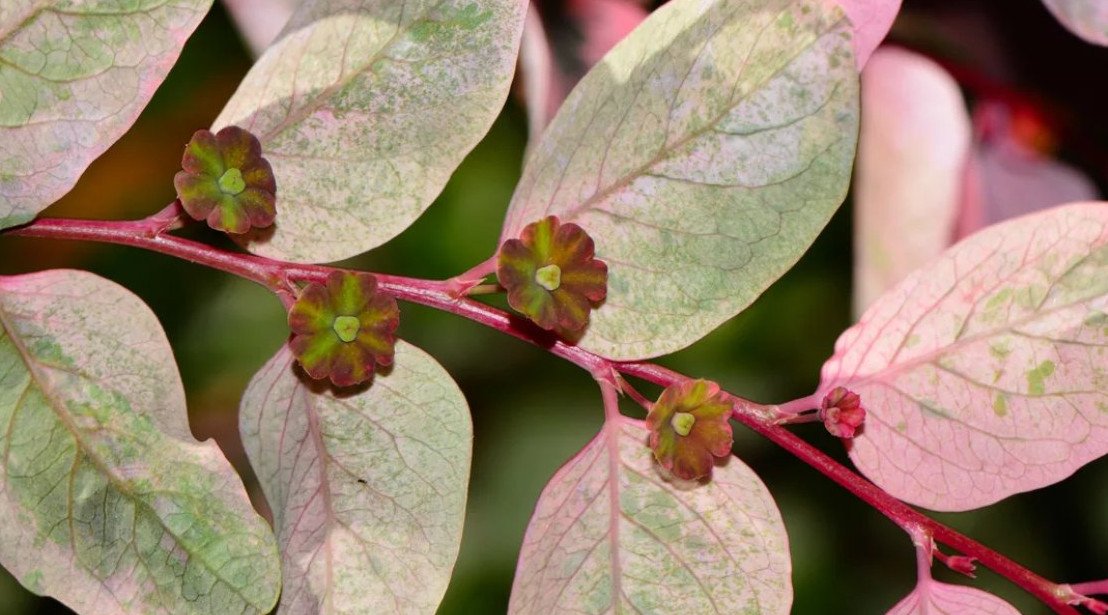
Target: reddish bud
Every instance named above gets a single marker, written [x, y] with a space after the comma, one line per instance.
[842, 412]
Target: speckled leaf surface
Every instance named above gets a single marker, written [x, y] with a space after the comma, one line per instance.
[935, 598]
[985, 373]
[610, 535]
[74, 75]
[368, 489]
[365, 108]
[1085, 18]
[912, 154]
[703, 154]
[107, 503]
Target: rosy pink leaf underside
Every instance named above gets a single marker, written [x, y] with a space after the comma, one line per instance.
[704, 153]
[872, 20]
[914, 144]
[107, 503]
[983, 373]
[366, 112]
[1085, 18]
[609, 534]
[368, 487]
[73, 78]
[934, 598]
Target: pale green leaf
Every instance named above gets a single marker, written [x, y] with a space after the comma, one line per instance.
[610, 535]
[74, 75]
[366, 110]
[107, 502]
[368, 488]
[703, 154]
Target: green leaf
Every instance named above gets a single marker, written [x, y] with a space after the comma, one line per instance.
[73, 78]
[107, 503]
[368, 488]
[610, 535]
[704, 154]
[365, 113]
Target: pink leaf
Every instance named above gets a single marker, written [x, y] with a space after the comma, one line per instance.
[934, 598]
[260, 21]
[872, 20]
[74, 80]
[367, 486]
[1085, 18]
[109, 503]
[915, 139]
[983, 373]
[1008, 178]
[609, 528]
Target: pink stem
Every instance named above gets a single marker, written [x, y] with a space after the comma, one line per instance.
[1091, 588]
[279, 276]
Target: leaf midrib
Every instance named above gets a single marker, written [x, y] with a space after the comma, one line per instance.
[668, 150]
[29, 361]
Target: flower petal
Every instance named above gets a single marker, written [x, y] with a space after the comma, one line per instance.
[352, 364]
[539, 236]
[258, 206]
[239, 147]
[199, 195]
[713, 436]
[515, 264]
[350, 292]
[229, 216]
[312, 311]
[259, 174]
[571, 245]
[589, 279]
[202, 155]
[536, 303]
[315, 353]
[572, 309]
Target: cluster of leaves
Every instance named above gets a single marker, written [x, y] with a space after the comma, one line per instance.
[686, 171]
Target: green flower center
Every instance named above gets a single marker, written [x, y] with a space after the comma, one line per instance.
[231, 182]
[682, 423]
[549, 277]
[346, 327]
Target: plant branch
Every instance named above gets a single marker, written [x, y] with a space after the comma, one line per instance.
[281, 277]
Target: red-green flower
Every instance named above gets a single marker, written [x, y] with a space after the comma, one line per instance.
[551, 275]
[842, 412]
[226, 181]
[343, 329]
[689, 428]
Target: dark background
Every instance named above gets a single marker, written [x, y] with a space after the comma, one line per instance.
[531, 411]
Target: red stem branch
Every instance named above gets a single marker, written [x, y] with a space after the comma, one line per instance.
[281, 276]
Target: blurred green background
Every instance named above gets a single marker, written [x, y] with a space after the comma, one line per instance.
[531, 412]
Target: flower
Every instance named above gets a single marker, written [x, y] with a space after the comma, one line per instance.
[226, 181]
[551, 275]
[689, 427]
[343, 329]
[842, 412]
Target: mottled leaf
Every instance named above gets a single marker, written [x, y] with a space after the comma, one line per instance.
[74, 76]
[704, 154]
[872, 20]
[935, 598]
[984, 373]
[365, 112]
[610, 535]
[912, 152]
[368, 488]
[1085, 18]
[107, 502]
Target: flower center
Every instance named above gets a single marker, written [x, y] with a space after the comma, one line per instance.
[682, 423]
[549, 277]
[346, 327]
[231, 182]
